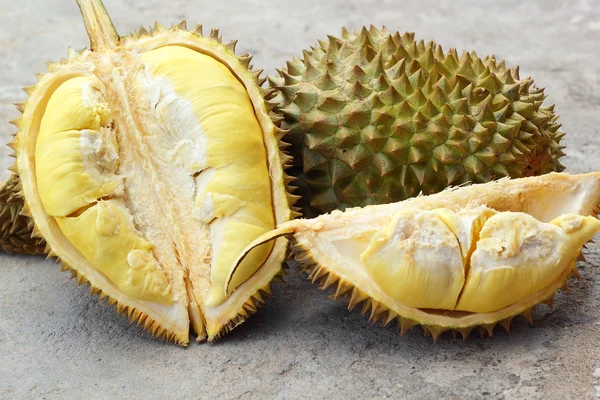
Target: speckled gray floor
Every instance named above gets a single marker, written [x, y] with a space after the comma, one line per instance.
[57, 342]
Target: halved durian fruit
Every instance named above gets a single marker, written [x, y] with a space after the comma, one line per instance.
[465, 258]
[147, 164]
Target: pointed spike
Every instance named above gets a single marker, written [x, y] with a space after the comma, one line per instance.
[436, 331]
[16, 122]
[317, 274]
[158, 28]
[258, 297]
[245, 60]
[549, 301]
[529, 315]
[214, 34]
[465, 332]
[81, 279]
[12, 144]
[329, 280]
[94, 290]
[231, 46]
[365, 306]
[342, 288]
[489, 328]
[71, 54]
[376, 311]
[505, 323]
[406, 324]
[256, 74]
[355, 298]
[389, 318]
[20, 106]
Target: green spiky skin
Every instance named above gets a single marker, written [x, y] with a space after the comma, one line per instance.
[376, 118]
[16, 229]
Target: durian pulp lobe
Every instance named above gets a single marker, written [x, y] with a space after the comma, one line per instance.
[233, 185]
[106, 236]
[76, 152]
[517, 256]
[415, 257]
[76, 157]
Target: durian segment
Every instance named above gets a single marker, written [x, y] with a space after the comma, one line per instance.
[417, 260]
[234, 182]
[517, 256]
[106, 236]
[76, 150]
[330, 246]
[377, 117]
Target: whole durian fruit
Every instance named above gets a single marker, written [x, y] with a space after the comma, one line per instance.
[376, 117]
[16, 228]
[147, 163]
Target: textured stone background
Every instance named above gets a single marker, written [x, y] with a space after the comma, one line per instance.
[57, 342]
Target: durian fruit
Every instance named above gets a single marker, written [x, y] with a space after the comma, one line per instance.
[459, 260]
[15, 228]
[376, 117]
[147, 163]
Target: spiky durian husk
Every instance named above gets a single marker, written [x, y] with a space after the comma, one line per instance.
[135, 316]
[319, 243]
[376, 118]
[251, 306]
[16, 229]
[379, 313]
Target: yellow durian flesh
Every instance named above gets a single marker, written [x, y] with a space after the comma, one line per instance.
[417, 260]
[517, 256]
[106, 236]
[74, 149]
[388, 256]
[413, 257]
[147, 165]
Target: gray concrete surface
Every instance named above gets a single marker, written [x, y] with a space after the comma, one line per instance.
[58, 342]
